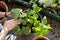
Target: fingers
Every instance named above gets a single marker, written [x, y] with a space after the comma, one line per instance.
[9, 14]
[1, 14]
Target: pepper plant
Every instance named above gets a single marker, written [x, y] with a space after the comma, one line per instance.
[28, 21]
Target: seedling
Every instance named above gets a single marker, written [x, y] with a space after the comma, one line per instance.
[28, 21]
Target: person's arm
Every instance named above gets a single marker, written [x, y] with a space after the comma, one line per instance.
[2, 14]
[8, 25]
[3, 34]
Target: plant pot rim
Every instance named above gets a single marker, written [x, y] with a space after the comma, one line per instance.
[3, 5]
[44, 37]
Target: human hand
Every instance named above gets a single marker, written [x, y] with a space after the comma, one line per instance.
[2, 14]
[10, 24]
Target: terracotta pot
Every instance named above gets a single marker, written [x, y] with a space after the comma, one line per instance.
[40, 38]
[3, 6]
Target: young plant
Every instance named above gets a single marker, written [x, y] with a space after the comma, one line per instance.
[28, 22]
[52, 5]
[47, 3]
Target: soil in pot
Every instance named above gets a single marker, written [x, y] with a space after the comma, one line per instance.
[3, 7]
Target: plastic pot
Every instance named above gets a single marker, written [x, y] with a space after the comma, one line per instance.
[40, 38]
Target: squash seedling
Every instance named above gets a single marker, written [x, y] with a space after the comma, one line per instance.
[28, 22]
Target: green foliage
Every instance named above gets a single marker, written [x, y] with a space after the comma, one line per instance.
[51, 5]
[44, 21]
[29, 19]
[26, 30]
[58, 4]
[15, 12]
[36, 8]
[41, 28]
[43, 32]
[17, 30]
[47, 3]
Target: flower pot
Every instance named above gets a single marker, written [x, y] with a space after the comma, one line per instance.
[40, 38]
[3, 8]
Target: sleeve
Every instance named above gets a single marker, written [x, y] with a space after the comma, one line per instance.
[1, 27]
[10, 37]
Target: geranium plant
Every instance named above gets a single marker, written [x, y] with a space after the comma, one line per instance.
[28, 21]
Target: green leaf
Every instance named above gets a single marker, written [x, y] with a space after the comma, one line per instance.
[36, 23]
[24, 21]
[42, 33]
[32, 12]
[48, 26]
[37, 9]
[43, 26]
[38, 28]
[34, 5]
[35, 17]
[15, 12]
[59, 2]
[44, 20]
[26, 30]
[17, 30]
[37, 34]
[58, 7]
[30, 21]
[28, 14]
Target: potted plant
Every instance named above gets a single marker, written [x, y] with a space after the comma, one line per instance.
[50, 8]
[29, 22]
